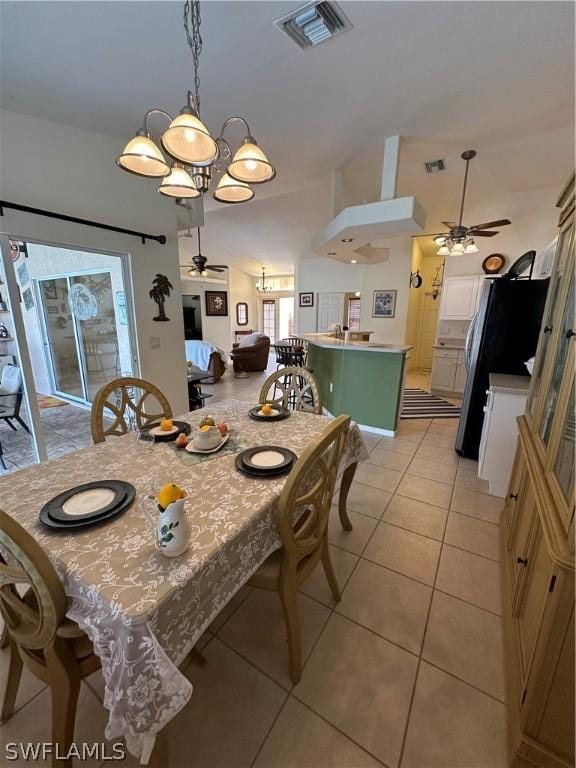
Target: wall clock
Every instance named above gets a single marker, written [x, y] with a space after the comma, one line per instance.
[493, 264]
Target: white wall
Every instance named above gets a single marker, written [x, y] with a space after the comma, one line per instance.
[216, 330]
[242, 289]
[72, 171]
[318, 274]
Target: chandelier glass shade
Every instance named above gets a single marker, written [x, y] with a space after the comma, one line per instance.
[188, 141]
[142, 157]
[231, 191]
[250, 164]
[178, 183]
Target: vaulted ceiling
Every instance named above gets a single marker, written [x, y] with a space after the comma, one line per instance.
[495, 76]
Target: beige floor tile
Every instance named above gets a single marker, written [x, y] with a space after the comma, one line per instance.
[432, 470]
[389, 459]
[399, 445]
[466, 641]
[422, 489]
[378, 477]
[229, 608]
[410, 432]
[371, 439]
[468, 463]
[257, 631]
[362, 684]
[437, 454]
[301, 739]
[404, 552]
[443, 426]
[478, 505]
[453, 726]
[468, 478]
[439, 441]
[474, 535]
[416, 516]
[387, 603]
[367, 500]
[32, 725]
[229, 714]
[316, 585]
[355, 540]
[473, 578]
[29, 686]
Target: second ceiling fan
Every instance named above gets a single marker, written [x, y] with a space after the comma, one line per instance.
[200, 264]
[460, 238]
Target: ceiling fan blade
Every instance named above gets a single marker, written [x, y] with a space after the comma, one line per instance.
[214, 269]
[490, 225]
[482, 234]
[450, 224]
[433, 234]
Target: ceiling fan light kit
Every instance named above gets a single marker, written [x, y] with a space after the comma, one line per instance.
[192, 149]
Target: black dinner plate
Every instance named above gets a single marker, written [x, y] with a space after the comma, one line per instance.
[115, 508]
[283, 413]
[183, 429]
[245, 464]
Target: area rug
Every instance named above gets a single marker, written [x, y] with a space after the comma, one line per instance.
[48, 401]
[419, 404]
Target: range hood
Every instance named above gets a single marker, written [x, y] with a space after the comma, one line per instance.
[353, 233]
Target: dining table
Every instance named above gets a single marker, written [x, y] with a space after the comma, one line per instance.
[143, 611]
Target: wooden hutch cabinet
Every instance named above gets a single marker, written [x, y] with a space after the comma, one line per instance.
[538, 534]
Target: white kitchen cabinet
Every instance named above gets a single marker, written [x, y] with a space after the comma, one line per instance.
[461, 373]
[505, 402]
[444, 365]
[460, 296]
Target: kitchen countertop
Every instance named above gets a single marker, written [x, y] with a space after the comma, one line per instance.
[451, 345]
[503, 382]
[327, 341]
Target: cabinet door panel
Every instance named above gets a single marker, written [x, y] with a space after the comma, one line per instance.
[534, 595]
[565, 242]
[522, 540]
[459, 298]
[443, 373]
[516, 489]
[460, 378]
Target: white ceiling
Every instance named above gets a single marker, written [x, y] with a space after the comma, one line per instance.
[494, 76]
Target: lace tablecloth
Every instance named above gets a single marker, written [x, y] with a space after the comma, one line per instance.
[143, 611]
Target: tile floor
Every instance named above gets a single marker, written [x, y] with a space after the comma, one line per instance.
[407, 670]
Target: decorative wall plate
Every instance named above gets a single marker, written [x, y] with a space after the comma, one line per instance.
[493, 264]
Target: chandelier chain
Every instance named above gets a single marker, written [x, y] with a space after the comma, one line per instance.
[192, 26]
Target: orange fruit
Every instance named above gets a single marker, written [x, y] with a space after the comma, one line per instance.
[166, 425]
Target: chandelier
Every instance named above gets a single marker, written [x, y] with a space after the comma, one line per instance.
[263, 286]
[190, 152]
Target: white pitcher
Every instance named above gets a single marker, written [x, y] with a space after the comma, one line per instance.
[171, 528]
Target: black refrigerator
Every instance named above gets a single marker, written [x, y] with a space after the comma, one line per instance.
[502, 336]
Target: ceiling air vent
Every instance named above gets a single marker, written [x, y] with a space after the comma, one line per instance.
[435, 166]
[314, 23]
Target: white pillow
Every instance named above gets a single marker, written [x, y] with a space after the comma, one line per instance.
[11, 382]
[249, 341]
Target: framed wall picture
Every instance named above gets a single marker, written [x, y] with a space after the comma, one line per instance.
[216, 303]
[384, 304]
[27, 298]
[306, 299]
[50, 290]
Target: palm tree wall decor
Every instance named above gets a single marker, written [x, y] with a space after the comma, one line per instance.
[161, 288]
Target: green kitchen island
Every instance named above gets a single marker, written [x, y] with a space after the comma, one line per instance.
[364, 379]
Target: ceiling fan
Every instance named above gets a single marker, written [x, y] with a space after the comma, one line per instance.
[460, 239]
[200, 264]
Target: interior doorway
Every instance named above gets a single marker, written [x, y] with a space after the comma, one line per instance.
[427, 330]
[277, 317]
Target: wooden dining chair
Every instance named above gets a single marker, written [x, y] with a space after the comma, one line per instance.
[126, 398]
[40, 636]
[302, 520]
[294, 388]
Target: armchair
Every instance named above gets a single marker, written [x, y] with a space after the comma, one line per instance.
[251, 354]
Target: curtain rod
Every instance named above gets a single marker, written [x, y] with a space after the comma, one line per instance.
[74, 219]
